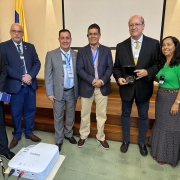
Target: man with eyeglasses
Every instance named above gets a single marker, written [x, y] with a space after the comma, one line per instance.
[22, 66]
[142, 52]
[94, 67]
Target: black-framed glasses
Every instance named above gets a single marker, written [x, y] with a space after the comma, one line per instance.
[18, 32]
[134, 25]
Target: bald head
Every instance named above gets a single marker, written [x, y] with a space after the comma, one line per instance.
[16, 32]
[136, 26]
[137, 16]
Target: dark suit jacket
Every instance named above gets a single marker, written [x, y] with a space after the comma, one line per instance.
[143, 88]
[86, 72]
[13, 65]
[3, 137]
[3, 73]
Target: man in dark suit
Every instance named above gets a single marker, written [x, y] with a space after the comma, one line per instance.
[143, 52]
[62, 87]
[4, 150]
[22, 66]
[94, 67]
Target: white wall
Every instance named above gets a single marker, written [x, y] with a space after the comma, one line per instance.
[112, 16]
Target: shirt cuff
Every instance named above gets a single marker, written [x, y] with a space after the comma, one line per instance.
[102, 82]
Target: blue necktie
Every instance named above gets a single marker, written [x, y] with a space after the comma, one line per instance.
[68, 81]
[22, 63]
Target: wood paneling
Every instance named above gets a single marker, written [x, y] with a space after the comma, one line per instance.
[44, 115]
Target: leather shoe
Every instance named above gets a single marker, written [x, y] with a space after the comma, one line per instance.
[59, 145]
[124, 146]
[81, 142]
[143, 150]
[8, 155]
[104, 144]
[32, 137]
[72, 140]
[161, 162]
[14, 142]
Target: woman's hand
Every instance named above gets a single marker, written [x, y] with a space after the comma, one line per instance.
[174, 109]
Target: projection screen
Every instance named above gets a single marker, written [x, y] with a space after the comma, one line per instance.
[112, 16]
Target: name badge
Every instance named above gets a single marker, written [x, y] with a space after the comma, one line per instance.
[161, 80]
[64, 62]
[21, 57]
[70, 73]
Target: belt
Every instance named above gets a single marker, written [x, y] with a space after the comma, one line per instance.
[69, 89]
[168, 90]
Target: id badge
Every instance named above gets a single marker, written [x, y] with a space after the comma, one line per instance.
[161, 80]
[70, 73]
[21, 57]
[64, 62]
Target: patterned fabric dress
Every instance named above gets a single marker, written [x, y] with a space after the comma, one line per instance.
[165, 137]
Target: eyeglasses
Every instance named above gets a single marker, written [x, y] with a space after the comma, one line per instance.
[93, 34]
[18, 32]
[134, 25]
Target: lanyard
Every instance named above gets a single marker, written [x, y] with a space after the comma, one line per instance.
[67, 59]
[94, 57]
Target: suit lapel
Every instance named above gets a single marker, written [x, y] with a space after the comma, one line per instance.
[14, 49]
[73, 59]
[143, 48]
[129, 49]
[100, 53]
[59, 59]
[25, 52]
[89, 54]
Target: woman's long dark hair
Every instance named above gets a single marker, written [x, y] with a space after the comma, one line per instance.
[176, 57]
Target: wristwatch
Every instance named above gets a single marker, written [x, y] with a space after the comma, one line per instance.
[178, 101]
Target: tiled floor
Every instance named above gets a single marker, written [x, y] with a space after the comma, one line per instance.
[92, 162]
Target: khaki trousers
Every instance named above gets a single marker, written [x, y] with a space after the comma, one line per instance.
[101, 106]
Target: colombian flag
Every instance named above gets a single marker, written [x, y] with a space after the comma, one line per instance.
[20, 18]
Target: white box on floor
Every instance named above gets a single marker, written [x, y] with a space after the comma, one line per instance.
[36, 161]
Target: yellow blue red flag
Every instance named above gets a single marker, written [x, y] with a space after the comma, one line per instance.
[20, 18]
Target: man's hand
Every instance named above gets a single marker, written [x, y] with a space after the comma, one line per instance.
[122, 81]
[97, 83]
[51, 98]
[141, 73]
[26, 78]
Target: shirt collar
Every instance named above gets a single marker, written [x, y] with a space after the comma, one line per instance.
[92, 47]
[17, 44]
[65, 52]
[139, 40]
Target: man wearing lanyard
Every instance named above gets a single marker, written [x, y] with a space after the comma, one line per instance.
[142, 52]
[22, 66]
[94, 67]
[62, 87]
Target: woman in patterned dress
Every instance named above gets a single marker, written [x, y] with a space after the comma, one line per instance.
[165, 137]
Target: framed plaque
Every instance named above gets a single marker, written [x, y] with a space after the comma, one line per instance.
[130, 76]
